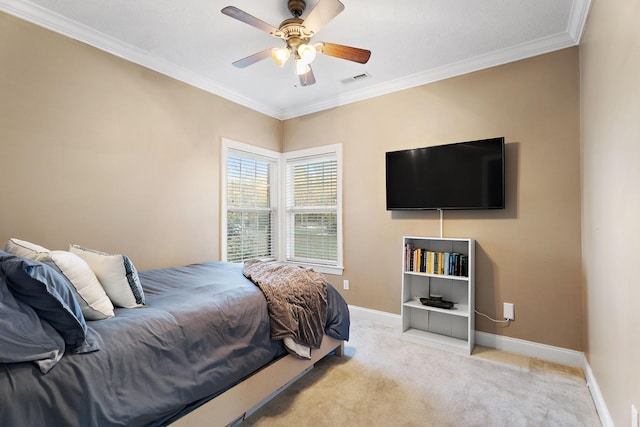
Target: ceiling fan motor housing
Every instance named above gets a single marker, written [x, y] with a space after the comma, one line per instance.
[292, 31]
[296, 7]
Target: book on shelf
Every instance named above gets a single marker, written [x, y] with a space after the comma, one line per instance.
[408, 257]
[464, 265]
[434, 267]
[420, 260]
[445, 263]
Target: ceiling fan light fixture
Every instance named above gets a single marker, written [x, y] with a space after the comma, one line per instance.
[302, 67]
[280, 55]
[307, 53]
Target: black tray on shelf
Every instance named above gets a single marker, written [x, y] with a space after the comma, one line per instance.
[437, 302]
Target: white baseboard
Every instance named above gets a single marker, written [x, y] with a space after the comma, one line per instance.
[513, 345]
[387, 319]
[531, 349]
[596, 395]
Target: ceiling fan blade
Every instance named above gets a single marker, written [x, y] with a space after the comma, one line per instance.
[321, 14]
[243, 16]
[346, 52]
[307, 79]
[252, 59]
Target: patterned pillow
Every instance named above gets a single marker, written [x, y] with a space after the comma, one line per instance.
[116, 274]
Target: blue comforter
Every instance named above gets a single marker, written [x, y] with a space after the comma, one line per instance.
[204, 329]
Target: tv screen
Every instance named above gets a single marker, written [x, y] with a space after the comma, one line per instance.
[464, 175]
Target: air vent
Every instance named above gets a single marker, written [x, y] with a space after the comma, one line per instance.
[356, 78]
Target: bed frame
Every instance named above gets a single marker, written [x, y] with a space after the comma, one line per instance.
[236, 403]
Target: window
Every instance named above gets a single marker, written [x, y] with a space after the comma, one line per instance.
[249, 198]
[313, 219]
[308, 232]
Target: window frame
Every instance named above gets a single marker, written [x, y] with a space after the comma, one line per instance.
[333, 150]
[258, 153]
[278, 198]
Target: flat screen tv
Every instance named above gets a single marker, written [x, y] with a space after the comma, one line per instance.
[464, 175]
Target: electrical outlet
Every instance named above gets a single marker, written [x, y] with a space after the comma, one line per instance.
[345, 285]
[634, 416]
[509, 311]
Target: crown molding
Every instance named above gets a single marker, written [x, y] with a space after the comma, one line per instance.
[578, 19]
[480, 62]
[57, 23]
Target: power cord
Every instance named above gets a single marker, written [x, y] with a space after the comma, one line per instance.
[507, 321]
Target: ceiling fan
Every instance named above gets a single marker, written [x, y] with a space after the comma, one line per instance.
[297, 33]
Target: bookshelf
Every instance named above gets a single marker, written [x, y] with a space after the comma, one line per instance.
[425, 274]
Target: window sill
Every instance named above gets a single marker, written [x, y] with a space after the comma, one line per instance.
[325, 269]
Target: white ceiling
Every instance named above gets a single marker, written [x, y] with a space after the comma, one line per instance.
[413, 42]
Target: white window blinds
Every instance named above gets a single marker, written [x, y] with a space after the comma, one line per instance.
[282, 206]
[250, 212]
[312, 209]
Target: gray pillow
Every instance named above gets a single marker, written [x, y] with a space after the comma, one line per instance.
[49, 294]
[23, 336]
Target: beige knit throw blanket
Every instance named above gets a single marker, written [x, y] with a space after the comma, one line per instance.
[296, 300]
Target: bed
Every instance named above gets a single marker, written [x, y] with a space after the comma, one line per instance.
[198, 352]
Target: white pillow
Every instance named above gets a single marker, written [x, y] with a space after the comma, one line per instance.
[116, 274]
[24, 249]
[93, 300]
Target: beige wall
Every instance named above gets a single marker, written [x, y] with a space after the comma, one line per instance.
[610, 90]
[528, 254]
[102, 152]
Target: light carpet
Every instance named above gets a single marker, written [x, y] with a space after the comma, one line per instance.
[384, 380]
